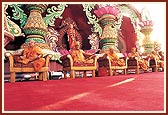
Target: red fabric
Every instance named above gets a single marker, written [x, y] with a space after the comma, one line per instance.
[141, 92]
[102, 71]
[54, 66]
[128, 33]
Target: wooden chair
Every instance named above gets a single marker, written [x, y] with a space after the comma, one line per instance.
[69, 65]
[16, 67]
[154, 65]
[133, 64]
[104, 61]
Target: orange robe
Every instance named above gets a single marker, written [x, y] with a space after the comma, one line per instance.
[31, 54]
[71, 37]
[79, 56]
[115, 59]
[159, 61]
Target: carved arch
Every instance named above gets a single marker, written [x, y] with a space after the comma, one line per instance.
[63, 30]
[133, 14]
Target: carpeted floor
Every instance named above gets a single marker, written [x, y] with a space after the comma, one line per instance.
[143, 92]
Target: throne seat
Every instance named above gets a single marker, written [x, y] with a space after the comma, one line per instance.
[134, 64]
[16, 67]
[104, 61]
[70, 65]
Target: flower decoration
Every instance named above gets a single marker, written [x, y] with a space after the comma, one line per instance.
[146, 23]
[102, 10]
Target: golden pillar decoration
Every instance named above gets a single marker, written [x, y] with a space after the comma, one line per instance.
[35, 28]
[146, 25]
[147, 43]
[107, 18]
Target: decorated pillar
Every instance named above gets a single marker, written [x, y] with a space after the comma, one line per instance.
[146, 25]
[35, 28]
[107, 18]
[10, 28]
[146, 29]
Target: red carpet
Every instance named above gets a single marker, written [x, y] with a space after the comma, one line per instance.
[143, 92]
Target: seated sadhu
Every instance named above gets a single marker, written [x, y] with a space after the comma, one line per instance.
[79, 56]
[154, 55]
[32, 54]
[114, 58]
[142, 62]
